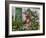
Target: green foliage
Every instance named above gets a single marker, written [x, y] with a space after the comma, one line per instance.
[35, 19]
[17, 24]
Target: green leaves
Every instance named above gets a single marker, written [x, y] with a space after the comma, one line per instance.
[17, 24]
[35, 19]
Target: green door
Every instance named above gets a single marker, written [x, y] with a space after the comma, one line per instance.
[18, 14]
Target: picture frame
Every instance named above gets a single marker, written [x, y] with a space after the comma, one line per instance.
[9, 12]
